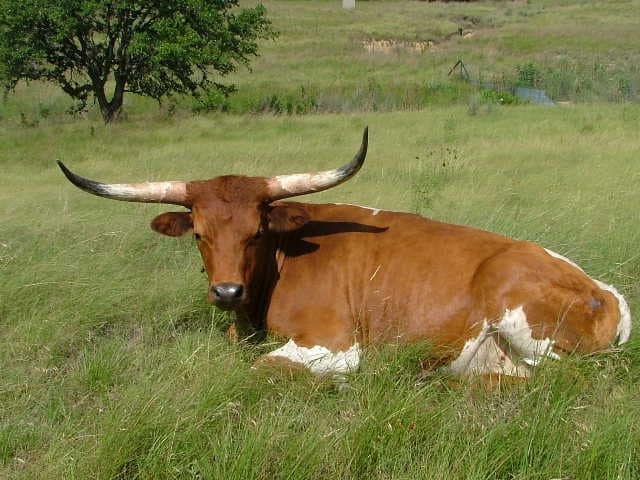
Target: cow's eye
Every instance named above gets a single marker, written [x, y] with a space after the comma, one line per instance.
[258, 235]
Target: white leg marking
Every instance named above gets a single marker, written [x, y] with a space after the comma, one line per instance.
[624, 326]
[515, 329]
[320, 359]
[468, 360]
[484, 355]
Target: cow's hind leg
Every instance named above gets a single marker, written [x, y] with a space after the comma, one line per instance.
[543, 306]
[623, 328]
[489, 354]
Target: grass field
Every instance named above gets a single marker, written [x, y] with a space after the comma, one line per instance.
[113, 364]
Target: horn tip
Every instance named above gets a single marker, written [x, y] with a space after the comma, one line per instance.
[67, 173]
[365, 143]
[80, 182]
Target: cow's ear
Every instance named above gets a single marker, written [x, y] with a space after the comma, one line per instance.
[173, 224]
[286, 218]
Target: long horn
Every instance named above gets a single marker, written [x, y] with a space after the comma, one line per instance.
[284, 186]
[149, 192]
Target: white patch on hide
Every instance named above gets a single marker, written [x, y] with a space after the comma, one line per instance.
[484, 355]
[320, 359]
[515, 329]
[557, 255]
[374, 211]
[624, 325]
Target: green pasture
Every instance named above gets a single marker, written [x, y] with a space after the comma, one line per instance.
[114, 366]
[578, 50]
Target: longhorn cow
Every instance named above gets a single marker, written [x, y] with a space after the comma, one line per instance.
[332, 278]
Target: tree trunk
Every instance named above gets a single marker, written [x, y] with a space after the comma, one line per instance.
[110, 109]
[110, 112]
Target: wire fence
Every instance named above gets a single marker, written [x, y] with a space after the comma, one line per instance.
[561, 82]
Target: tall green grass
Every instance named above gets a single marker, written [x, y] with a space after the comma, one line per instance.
[114, 366]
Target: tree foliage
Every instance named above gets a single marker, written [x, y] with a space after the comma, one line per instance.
[102, 49]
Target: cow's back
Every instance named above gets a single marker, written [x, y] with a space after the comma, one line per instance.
[391, 276]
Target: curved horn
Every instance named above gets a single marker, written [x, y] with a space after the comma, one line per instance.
[149, 192]
[284, 186]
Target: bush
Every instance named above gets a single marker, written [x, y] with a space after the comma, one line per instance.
[500, 98]
[211, 100]
[299, 102]
[529, 75]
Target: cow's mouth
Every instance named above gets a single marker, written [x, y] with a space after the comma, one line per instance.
[228, 305]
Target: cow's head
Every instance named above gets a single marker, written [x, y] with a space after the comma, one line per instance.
[230, 217]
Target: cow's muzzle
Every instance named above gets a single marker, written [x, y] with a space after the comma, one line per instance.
[227, 295]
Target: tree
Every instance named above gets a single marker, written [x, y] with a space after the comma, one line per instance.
[106, 48]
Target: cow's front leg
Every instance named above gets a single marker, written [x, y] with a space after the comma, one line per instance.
[243, 329]
[318, 359]
[279, 366]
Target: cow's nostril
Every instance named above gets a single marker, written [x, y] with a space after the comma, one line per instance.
[237, 291]
[228, 292]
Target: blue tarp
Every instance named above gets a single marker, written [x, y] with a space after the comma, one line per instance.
[533, 95]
